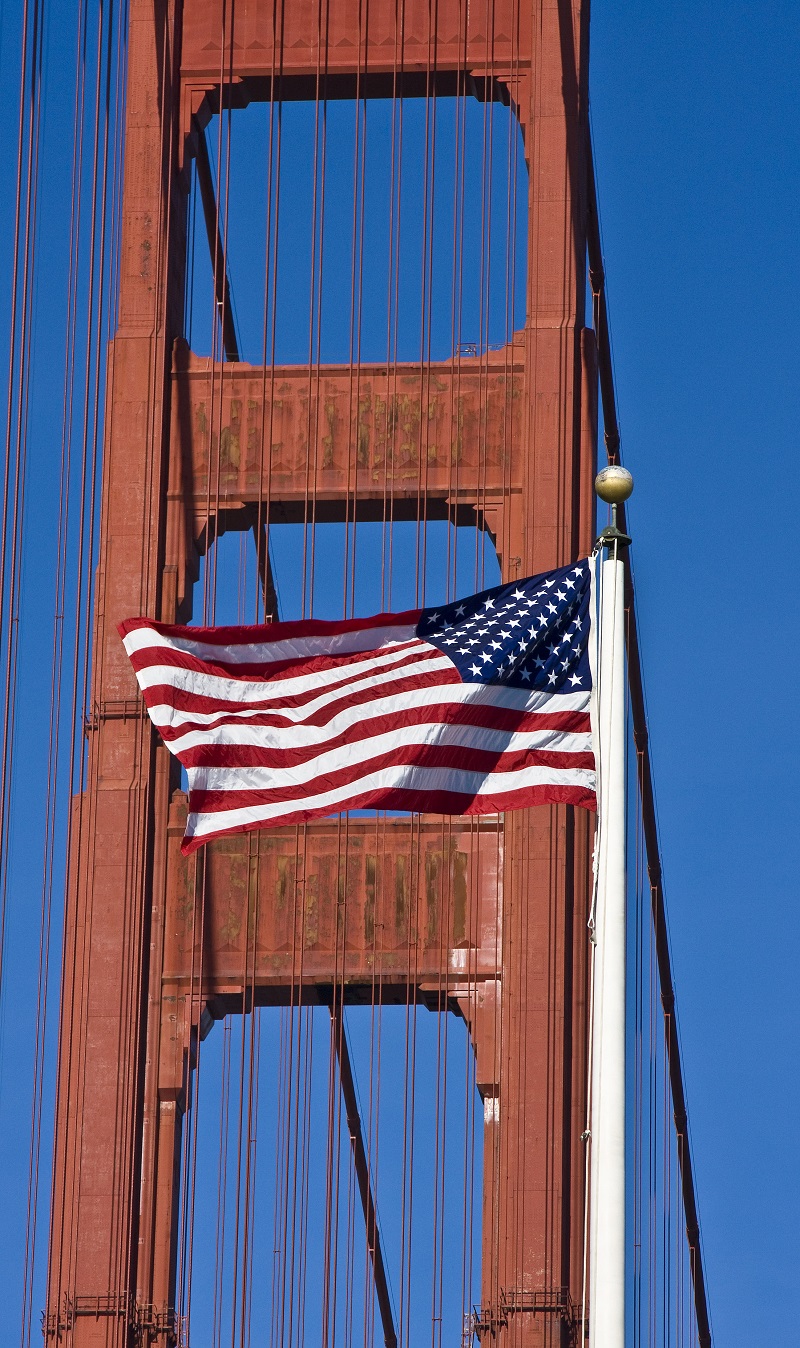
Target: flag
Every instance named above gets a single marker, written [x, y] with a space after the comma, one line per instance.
[473, 707]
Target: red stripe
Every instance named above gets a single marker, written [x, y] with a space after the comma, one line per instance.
[461, 714]
[453, 713]
[269, 632]
[430, 802]
[483, 761]
[265, 670]
[198, 702]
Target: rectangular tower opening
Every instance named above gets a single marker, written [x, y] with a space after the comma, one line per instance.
[276, 1249]
[346, 570]
[360, 231]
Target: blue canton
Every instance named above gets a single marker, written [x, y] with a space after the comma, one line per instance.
[532, 634]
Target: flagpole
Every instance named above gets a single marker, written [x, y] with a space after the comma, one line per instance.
[607, 1118]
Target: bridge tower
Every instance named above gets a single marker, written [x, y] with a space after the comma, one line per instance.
[149, 963]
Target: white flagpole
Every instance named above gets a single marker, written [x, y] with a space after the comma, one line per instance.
[607, 1119]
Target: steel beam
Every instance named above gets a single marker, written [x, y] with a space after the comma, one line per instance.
[361, 1164]
[216, 248]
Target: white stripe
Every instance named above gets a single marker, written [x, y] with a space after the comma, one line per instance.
[217, 687]
[241, 777]
[298, 735]
[329, 697]
[291, 648]
[411, 778]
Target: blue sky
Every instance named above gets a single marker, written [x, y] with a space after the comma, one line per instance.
[697, 142]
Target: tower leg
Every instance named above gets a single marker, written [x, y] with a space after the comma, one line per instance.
[534, 1160]
[114, 840]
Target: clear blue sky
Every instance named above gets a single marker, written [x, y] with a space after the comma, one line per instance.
[697, 142]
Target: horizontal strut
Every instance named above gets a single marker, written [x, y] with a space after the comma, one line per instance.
[154, 1321]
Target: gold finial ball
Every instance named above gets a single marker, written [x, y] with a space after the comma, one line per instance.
[613, 484]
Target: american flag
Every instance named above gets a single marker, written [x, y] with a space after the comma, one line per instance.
[474, 707]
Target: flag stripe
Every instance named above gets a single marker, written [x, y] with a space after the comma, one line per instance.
[297, 692]
[300, 742]
[249, 727]
[322, 708]
[206, 828]
[237, 769]
[148, 657]
[452, 689]
[439, 790]
[249, 644]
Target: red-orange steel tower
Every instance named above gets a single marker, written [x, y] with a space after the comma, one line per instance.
[149, 955]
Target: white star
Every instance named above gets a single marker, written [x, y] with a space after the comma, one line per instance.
[451, 641]
[460, 611]
[577, 572]
[497, 645]
[560, 594]
[526, 674]
[463, 650]
[485, 656]
[489, 603]
[548, 583]
[575, 681]
[567, 638]
[434, 618]
[519, 594]
[570, 584]
[539, 662]
[542, 620]
[513, 622]
[551, 678]
[551, 608]
[506, 633]
[473, 669]
[565, 664]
